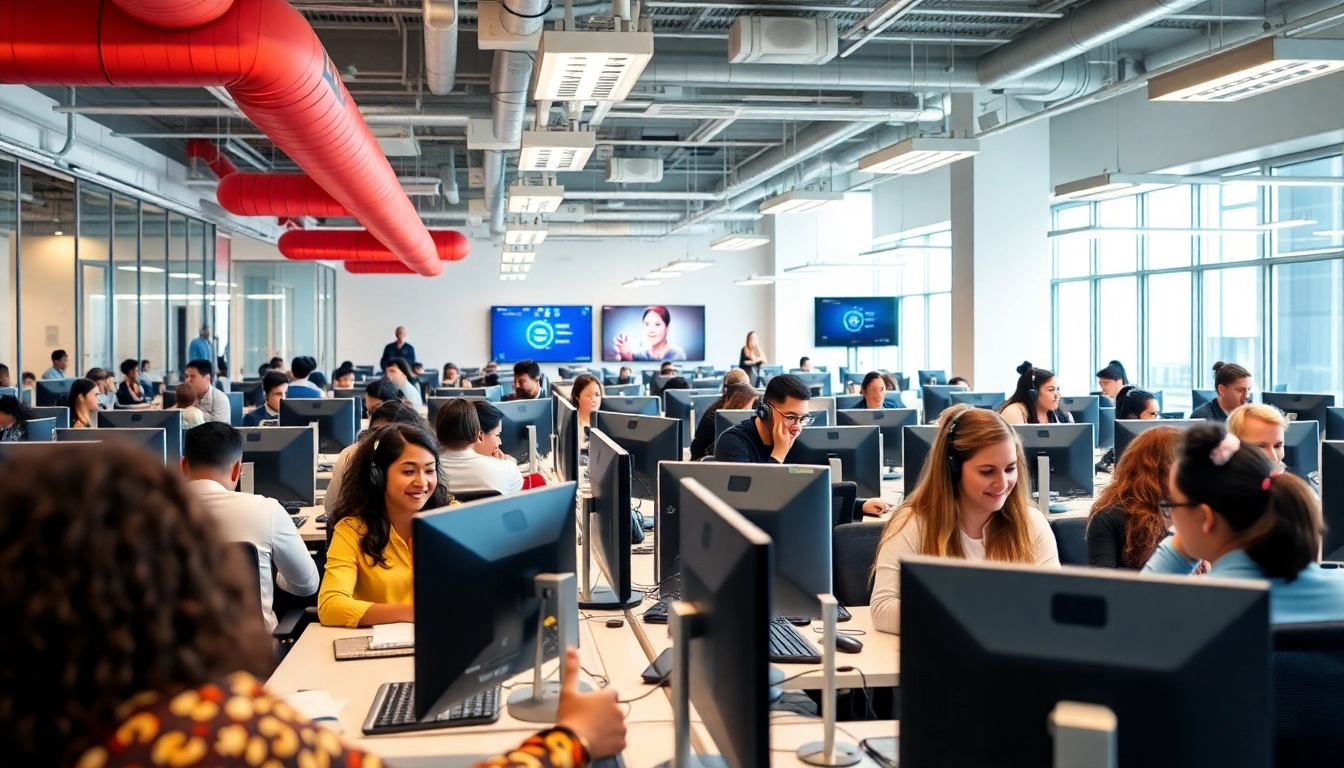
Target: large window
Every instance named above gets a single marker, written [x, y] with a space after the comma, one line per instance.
[1170, 304]
[924, 284]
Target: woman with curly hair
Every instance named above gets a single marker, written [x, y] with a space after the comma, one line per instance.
[131, 636]
[1126, 522]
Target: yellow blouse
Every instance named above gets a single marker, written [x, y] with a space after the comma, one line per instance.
[353, 581]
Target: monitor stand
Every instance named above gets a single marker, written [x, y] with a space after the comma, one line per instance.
[602, 597]
[1084, 735]
[532, 449]
[1043, 489]
[540, 701]
[682, 624]
[828, 752]
[891, 473]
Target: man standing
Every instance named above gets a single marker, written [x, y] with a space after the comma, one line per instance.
[213, 403]
[201, 348]
[399, 348]
[526, 381]
[59, 360]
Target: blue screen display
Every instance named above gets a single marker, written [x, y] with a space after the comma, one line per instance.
[545, 334]
[868, 321]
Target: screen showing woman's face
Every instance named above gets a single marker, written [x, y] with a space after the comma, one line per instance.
[655, 330]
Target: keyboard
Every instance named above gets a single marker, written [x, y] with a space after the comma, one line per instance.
[787, 646]
[299, 520]
[657, 614]
[393, 711]
[354, 648]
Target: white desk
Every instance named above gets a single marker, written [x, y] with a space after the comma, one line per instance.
[789, 732]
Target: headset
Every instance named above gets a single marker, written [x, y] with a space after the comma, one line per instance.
[953, 456]
[1033, 394]
[375, 474]
[763, 410]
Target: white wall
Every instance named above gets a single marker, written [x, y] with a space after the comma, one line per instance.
[448, 317]
[903, 203]
[47, 308]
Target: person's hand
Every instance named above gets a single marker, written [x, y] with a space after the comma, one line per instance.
[875, 507]
[782, 438]
[498, 454]
[594, 717]
[623, 345]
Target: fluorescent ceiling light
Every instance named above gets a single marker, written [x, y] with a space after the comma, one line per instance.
[556, 150]
[265, 296]
[917, 155]
[799, 201]
[1249, 70]
[589, 66]
[514, 268]
[184, 275]
[1215, 231]
[509, 257]
[813, 266]
[900, 250]
[659, 274]
[739, 242]
[1330, 233]
[146, 270]
[754, 280]
[1109, 186]
[1284, 181]
[524, 233]
[640, 282]
[535, 199]
[512, 276]
[686, 265]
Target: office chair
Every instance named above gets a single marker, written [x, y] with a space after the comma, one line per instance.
[1307, 666]
[854, 550]
[291, 625]
[1071, 539]
[467, 496]
[843, 498]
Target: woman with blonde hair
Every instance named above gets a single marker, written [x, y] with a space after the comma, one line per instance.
[751, 358]
[1126, 522]
[1262, 426]
[972, 503]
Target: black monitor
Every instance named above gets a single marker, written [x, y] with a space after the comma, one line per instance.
[284, 463]
[566, 439]
[1332, 499]
[1334, 424]
[253, 392]
[622, 390]
[814, 378]
[1106, 427]
[987, 400]
[936, 399]
[337, 420]
[700, 404]
[917, 444]
[58, 412]
[677, 405]
[570, 373]
[518, 416]
[1200, 397]
[726, 648]
[725, 419]
[707, 382]
[649, 439]
[843, 402]
[1128, 429]
[791, 504]
[859, 450]
[169, 421]
[493, 394]
[1300, 406]
[356, 394]
[935, 378]
[644, 406]
[1069, 449]
[481, 560]
[364, 370]
[54, 391]
[1084, 410]
[1301, 448]
[891, 422]
[152, 440]
[44, 430]
[1184, 664]
[612, 530]
[428, 380]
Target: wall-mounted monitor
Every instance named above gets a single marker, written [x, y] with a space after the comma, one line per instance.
[861, 321]
[545, 334]
[653, 333]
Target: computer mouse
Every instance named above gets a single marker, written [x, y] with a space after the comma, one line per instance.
[847, 644]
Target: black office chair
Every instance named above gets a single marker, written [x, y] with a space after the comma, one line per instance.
[291, 625]
[1071, 539]
[843, 497]
[854, 550]
[1308, 672]
[467, 496]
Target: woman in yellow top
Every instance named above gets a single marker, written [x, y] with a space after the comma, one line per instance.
[370, 578]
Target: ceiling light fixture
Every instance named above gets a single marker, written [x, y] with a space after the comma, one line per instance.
[799, 201]
[640, 282]
[1283, 181]
[659, 274]
[546, 199]
[739, 241]
[1109, 186]
[1272, 226]
[589, 66]
[813, 267]
[1249, 70]
[686, 265]
[754, 280]
[556, 150]
[522, 232]
[918, 154]
[146, 270]
[184, 275]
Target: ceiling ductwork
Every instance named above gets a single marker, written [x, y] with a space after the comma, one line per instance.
[176, 14]
[440, 22]
[360, 245]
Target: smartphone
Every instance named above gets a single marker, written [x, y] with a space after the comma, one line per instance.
[660, 671]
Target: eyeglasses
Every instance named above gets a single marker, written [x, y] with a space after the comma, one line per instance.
[1166, 505]
[802, 421]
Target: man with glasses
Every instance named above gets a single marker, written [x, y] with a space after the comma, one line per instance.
[767, 437]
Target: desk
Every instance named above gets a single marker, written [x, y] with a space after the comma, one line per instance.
[789, 732]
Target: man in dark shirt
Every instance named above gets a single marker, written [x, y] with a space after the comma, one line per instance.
[526, 381]
[767, 437]
[399, 348]
[1233, 385]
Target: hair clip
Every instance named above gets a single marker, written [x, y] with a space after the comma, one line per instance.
[1264, 484]
[1225, 450]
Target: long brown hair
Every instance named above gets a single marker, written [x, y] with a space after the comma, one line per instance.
[934, 503]
[1138, 485]
[115, 584]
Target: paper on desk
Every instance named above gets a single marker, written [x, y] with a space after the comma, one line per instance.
[398, 635]
[319, 707]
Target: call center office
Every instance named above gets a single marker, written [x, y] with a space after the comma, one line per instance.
[1025, 250]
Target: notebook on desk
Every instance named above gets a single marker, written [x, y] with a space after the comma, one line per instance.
[356, 648]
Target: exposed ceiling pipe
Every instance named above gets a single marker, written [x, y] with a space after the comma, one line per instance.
[176, 14]
[360, 245]
[448, 179]
[510, 81]
[373, 115]
[274, 67]
[494, 188]
[628, 195]
[557, 11]
[440, 22]
[461, 215]
[377, 268]
[610, 229]
[1230, 35]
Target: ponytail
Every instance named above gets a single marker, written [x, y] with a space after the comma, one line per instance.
[1287, 538]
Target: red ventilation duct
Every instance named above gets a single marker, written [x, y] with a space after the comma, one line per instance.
[378, 268]
[176, 13]
[219, 164]
[359, 245]
[287, 195]
[267, 57]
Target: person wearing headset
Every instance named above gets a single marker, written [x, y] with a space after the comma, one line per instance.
[767, 437]
[1036, 400]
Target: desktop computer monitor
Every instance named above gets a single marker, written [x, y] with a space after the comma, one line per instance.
[1302, 448]
[791, 504]
[518, 416]
[987, 400]
[937, 399]
[726, 570]
[475, 590]
[677, 405]
[563, 389]
[1183, 664]
[1106, 427]
[725, 420]
[1300, 407]
[612, 530]
[859, 450]
[52, 392]
[428, 380]
[152, 440]
[1200, 397]
[1128, 429]
[169, 421]
[707, 382]
[622, 390]
[43, 430]
[253, 392]
[566, 439]
[494, 394]
[1334, 424]
[644, 406]
[935, 378]
[364, 370]
[813, 378]
[235, 408]
[700, 404]
[917, 442]
[1069, 449]
[337, 420]
[58, 412]
[844, 402]
[1084, 410]
[9, 392]
[891, 422]
[571, 373]
[1332, 499]
[357, 395]
[284, 463]
[649, 440]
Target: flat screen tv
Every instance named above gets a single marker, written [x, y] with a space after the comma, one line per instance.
[648, 333]
[545, 334]
[864, 321]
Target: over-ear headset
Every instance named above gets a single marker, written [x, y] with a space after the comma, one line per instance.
[375, 474]
[953, 456]
[1032, 392]
[763, 410]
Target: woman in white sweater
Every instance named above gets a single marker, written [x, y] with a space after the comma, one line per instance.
[972, 503]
